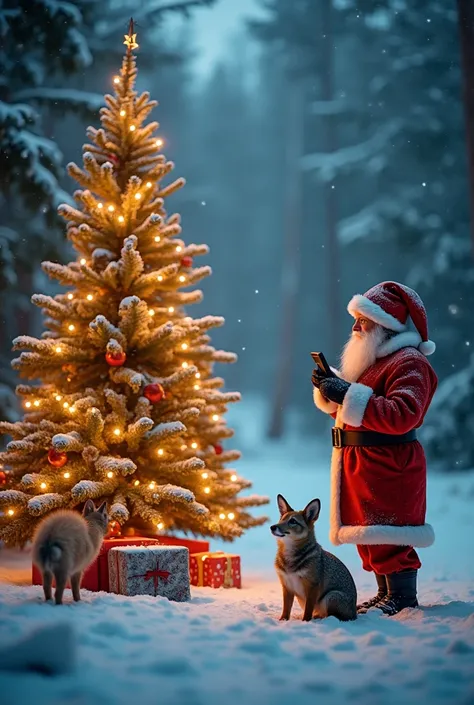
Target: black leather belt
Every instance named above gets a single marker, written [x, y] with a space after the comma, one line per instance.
[341, 438]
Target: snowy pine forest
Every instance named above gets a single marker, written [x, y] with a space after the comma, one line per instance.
[324, 150]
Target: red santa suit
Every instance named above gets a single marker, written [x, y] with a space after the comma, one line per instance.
[378, 493]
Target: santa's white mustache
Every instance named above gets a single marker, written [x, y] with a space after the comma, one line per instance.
[360, 352]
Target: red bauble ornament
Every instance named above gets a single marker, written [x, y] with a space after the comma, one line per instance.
[115, 359]
[113, 530]
[3, 478]
[218, 449]
[154, 393]
[187, 262]
[56, 459]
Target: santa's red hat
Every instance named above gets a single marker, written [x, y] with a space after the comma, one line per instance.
[391, 305]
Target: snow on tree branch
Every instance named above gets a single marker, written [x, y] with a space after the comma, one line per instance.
[328, 165]
[113, 25]
[63, 98]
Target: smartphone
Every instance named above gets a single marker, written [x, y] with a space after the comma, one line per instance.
[322, 363]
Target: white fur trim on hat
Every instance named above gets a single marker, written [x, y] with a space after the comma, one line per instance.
[427, 347]
[408, 339]
[361, 304]
[355, 403]
[419, 536]
[326, 405]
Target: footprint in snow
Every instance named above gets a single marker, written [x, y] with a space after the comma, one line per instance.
[197, 621]
[459, 647]
[269, 647]
[270, 621]
[318, 686]
[454, 608]
[116, 629]
[202, 600]
[433, 661]
[315, 656]
[373, 639]
[439, 642]
[370, 688]
[240, 626]
[174, 666]
[344, 645]
[415, 684]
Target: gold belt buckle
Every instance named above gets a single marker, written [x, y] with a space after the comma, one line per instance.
[336, 437]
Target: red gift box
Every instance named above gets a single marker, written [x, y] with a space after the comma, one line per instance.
[96, 577]
[193, 545]
[215, 570]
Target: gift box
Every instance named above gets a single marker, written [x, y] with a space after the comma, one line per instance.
[96, 577]
[150, 570]
[193, 545]
[217, 569]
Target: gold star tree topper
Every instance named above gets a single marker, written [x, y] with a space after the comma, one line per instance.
[131, 38]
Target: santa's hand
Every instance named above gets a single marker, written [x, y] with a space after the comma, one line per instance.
[334, 388]
[318, 376]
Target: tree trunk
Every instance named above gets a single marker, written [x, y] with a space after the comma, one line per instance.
[466, 33]
[291, 257]
[332, 247]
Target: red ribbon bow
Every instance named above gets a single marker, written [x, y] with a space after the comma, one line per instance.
[155, 575]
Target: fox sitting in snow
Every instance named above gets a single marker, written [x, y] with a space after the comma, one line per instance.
[320, 582]
[65, 544]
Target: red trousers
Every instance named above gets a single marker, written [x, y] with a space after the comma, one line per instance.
[387, 559]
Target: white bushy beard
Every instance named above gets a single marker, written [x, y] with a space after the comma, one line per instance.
[360, 352]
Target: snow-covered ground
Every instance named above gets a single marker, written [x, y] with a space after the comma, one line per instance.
[227, 646]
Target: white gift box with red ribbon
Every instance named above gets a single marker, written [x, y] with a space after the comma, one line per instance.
[150, 570]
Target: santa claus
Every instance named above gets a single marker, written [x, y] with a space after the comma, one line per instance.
[379, 398]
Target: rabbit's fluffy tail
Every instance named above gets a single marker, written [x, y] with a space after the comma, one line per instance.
[50, 554]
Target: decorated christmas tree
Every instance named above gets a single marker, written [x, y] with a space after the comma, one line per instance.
[127, 408]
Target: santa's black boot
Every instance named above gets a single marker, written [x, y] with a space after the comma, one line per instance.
[382, 592]
[401, 592]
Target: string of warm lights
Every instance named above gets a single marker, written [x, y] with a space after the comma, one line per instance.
[129, 210]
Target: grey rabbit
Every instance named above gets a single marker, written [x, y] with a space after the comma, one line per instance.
[65, 544]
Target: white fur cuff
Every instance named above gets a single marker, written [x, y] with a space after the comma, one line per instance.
[355, 403]
[375, 535]
[329, 407]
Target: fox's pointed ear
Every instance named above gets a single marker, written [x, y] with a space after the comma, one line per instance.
[311, 511]
[103, 508]
[89, 507]
[283, 505]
